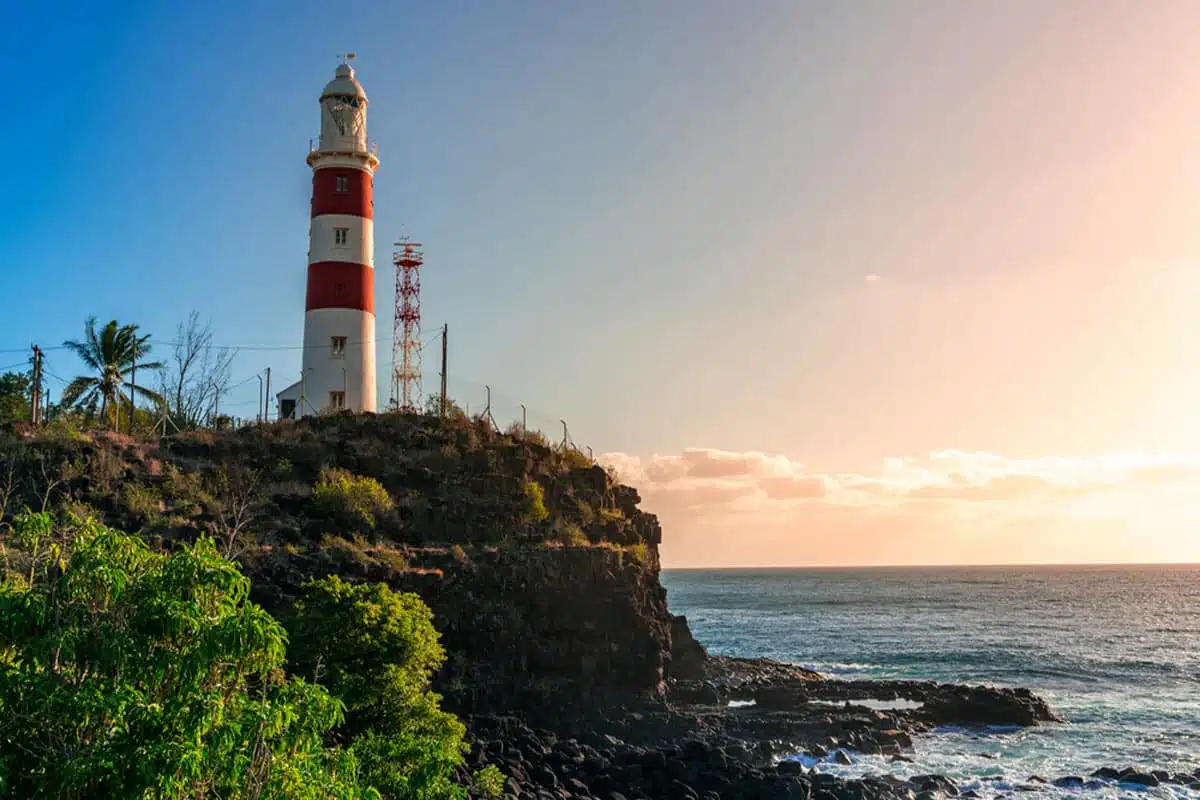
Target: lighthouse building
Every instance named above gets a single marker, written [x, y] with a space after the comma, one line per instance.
[338, 364]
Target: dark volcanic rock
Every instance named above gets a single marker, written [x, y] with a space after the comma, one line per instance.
[688, 657]
[973, 705]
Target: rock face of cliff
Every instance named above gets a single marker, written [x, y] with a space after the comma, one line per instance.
[525, 628]
[537, 608]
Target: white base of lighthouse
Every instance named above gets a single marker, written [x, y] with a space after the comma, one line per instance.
[339, 362]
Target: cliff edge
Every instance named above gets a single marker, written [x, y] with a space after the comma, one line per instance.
[541, 570]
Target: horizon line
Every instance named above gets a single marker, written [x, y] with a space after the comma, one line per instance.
[1076, 564]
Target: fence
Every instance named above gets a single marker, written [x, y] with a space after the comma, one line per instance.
[251, 405]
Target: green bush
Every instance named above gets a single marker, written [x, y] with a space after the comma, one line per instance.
[357, 501]
[143, 500]
[534, 505]
[640, 553]
[489, 781]
[125, 673]
[376, 650]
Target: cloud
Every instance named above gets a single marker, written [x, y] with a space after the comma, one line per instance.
[950, 506]
[1001, 488]
[792, 487]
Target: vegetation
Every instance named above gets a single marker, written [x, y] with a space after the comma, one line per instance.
[111, 353]
[151, 666]
[130, 673]
[126, 673]
[397, 480]
[356, 501]
[535, 502]
[376, 650]
[195, 375]
[14, 397]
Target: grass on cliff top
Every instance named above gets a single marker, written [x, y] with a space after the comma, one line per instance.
[388, 480]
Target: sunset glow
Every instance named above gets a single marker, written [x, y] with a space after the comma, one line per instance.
[952, 507]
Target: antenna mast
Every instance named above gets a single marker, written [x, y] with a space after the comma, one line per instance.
[406, 326]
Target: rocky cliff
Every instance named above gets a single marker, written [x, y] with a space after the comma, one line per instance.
[525, 627]
[540, 602]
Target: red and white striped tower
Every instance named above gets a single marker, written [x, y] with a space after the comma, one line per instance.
[339, 321]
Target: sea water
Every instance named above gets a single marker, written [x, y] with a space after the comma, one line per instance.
[1114, 649]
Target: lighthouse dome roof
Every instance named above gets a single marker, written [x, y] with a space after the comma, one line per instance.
[344, 84]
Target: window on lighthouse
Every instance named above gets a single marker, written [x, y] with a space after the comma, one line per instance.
[337, 400]
[342, 184]
[340, 235]
[337, 346]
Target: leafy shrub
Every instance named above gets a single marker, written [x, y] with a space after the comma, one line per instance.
[356, 500]
[572, 535]
[640, 553]
[347, 552]
[612, 514]
[126, 673]
[142, 500]
[376, 649]
[66, 427]
[392, 557]
[534, 505]
[458, 552]
[489, 781]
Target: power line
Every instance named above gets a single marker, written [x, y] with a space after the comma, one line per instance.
[27, 348]
[269, 347]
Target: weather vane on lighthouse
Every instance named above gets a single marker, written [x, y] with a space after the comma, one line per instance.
[345, 58]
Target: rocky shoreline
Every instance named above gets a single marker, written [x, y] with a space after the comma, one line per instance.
[694, 745]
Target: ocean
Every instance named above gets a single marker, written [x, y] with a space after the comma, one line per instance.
[1114, 649]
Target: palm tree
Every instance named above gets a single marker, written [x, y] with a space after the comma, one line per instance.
[111, 354]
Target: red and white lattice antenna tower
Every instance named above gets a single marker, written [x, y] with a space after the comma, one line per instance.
[406, 327]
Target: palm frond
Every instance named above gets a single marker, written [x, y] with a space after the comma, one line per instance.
[150, 367]
[148, 394]
[77, 388]
[89, 349]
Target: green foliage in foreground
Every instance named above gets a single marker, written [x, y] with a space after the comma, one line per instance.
[127, 673]
[376, 649]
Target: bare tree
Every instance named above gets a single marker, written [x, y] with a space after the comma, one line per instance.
[240, 505]
[196, 373]
[10, 486]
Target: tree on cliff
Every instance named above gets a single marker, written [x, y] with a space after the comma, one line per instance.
[14, 397]
[377, 649]
[125, 673]
[196, 373]
[112, 354]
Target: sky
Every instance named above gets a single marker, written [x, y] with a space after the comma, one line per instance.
[831, 283]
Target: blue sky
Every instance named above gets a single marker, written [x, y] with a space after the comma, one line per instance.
[654, 220]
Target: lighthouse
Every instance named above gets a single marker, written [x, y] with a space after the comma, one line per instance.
[338, 363]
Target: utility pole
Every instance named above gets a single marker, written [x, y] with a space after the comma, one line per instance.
[260, 398]
[267, 402]
[216, 404]
[132, 391]
[36, 396]
[445, 334]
